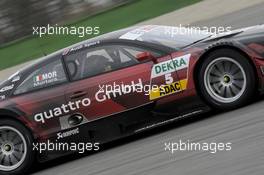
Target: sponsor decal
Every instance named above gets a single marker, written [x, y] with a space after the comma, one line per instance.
[168, 89]
[7, 88]
[45, 78]
[166, 69]
[62, 135]
[135, 34]
[170, 66]
[82, 46]
[60, 110]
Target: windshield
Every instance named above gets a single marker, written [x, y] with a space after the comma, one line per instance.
[174, 37]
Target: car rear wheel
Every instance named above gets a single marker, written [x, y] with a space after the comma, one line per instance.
[16, 154]
[226, 79]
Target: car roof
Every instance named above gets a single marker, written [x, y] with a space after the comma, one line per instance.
[108, 36]
[115, 35]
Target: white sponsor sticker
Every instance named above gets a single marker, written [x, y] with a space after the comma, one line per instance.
[7, 88]
[170, 66]
[62, 135]
[45, 78]
[136, 33]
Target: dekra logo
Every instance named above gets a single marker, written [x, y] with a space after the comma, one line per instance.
[172, 65]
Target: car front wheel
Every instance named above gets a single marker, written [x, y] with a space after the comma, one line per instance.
[226, 79]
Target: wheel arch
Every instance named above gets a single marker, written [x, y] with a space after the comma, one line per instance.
[214, 48]
[8, 114]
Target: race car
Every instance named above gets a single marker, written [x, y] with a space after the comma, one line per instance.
[123, 83]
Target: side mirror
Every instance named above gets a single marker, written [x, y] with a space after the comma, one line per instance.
[146, 56]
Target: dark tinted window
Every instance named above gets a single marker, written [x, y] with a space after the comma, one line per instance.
[48, 75]
[90, 62]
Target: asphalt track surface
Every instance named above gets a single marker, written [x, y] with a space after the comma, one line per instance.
[144, 154]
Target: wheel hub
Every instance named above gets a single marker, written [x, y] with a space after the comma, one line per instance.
[13, 148]
[225, 79]
[7, 148]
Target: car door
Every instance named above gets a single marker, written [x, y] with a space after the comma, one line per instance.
[111, 78]
[42, 91]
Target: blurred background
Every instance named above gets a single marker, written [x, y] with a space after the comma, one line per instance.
[18, 17]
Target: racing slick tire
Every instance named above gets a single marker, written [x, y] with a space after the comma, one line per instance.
[226, 79]
[16, 148]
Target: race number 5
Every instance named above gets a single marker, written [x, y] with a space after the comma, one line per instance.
[168, 79]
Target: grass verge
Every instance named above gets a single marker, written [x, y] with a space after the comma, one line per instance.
[120, 17]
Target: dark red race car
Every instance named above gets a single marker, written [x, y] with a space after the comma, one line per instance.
[123, 83]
